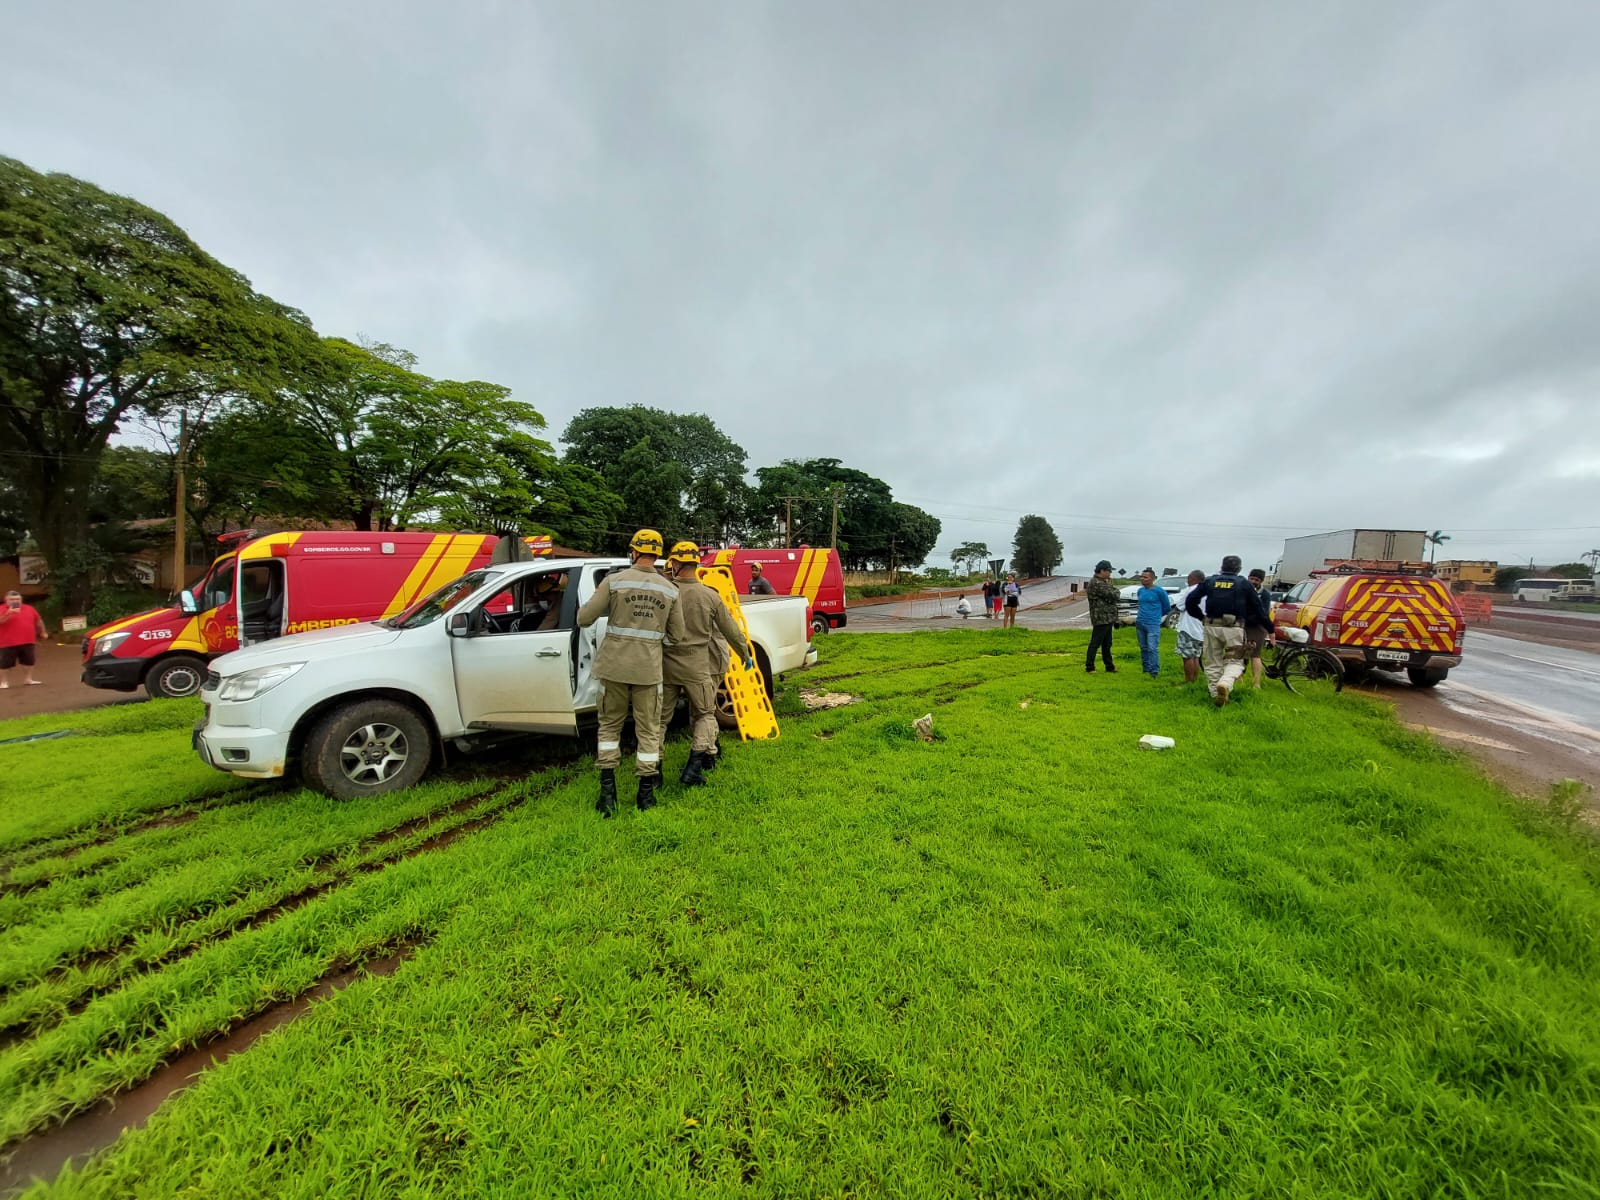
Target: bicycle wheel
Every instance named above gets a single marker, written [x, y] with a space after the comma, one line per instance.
[1308, 671]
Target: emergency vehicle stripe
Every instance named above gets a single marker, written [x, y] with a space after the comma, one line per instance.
[419, 572]
[456, 558]
[819, 568]
[262, 547]
[797, 585]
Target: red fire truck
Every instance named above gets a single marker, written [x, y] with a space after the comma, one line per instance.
[273, 586]
[802, 571]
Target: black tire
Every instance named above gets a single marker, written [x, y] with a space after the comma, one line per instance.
[367, 748]
[819, 625]
[1426, 677]
[725, 714]
[175, 677]
[1310, 671]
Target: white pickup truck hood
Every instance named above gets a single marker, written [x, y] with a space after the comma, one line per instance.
[339, 642]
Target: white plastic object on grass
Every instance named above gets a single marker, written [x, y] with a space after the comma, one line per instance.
[1154, 741]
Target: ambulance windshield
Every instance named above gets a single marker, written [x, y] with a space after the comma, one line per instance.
[431, 608]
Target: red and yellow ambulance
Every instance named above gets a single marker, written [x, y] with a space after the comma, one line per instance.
[1385, 616]
[802, 571]
[275, 586]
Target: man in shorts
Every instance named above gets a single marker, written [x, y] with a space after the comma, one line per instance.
[1191, 631]
[1257, 628]
[20, 627]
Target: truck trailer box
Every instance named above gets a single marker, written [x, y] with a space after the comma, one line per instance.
[1303, 555]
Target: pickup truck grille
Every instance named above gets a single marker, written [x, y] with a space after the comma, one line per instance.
[213, 681]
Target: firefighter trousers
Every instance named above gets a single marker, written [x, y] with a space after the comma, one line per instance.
[702, 697]
[1222, 656]
[644, 701]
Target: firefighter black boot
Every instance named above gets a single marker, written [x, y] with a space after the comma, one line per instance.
[708, 760]
[607, 803]
[647, 791]
[693, 770]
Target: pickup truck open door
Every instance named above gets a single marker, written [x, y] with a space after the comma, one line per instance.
[514, 662]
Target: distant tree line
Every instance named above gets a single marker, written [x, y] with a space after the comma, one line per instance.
[112, 320]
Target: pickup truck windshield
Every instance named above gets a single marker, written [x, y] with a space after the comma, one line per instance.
[431, 608]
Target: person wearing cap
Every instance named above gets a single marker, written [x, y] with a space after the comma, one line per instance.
[641, 611]
[760, 585]
[1225, 601]
[689, 664]
[1103, 600]
[1257, 628]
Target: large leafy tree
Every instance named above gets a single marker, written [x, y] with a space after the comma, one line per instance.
[1036, 550]
[914, 534]
[107, 308]
[868, 521]
[970, 555]
[675, 471]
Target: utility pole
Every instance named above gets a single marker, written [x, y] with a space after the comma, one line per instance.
[788, 521]
[833, 535]
[181, 512]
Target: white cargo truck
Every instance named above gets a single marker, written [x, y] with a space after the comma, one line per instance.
[1303, 555]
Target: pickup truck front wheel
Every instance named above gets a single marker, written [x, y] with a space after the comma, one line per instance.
[367, 748]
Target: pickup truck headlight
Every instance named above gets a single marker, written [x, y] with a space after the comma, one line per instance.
[247, 685]
[109, 643]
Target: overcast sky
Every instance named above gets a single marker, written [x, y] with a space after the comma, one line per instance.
[1182, 278]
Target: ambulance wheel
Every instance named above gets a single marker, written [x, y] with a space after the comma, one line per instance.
[176, 677]
[819, 626]
[367, 748]
[1426, 677]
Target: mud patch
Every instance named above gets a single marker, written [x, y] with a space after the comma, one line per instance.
[816, 701]
[42, 1156]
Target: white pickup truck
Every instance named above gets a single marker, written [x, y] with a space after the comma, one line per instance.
[364, 709]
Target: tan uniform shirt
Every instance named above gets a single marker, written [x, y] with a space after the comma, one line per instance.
[704, 614]
[642, 610]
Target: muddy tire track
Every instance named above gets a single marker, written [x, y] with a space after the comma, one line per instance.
[98, 1125]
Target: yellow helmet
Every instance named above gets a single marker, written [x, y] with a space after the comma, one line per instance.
[684, 552]
[646, 541]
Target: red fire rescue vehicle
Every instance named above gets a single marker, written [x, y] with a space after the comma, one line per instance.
[802, 571]
[280, 584]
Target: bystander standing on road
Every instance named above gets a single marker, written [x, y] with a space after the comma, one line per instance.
[1225, 601]
[760, 585]
[1191, 630]
[1011, 591]
[1257, 627]
[1154, 605]
[21, 627]
[1103, 599]
[994, 599]
[988, 600]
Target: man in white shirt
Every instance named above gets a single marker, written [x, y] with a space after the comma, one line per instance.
[1191, 630]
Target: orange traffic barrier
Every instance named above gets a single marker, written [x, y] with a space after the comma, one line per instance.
[1478, 610]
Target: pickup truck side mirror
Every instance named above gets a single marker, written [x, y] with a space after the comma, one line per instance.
[467, 624]
[187, 603]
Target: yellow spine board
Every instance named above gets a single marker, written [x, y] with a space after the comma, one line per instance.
[747, 689]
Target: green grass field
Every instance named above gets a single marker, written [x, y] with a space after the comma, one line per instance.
[1306, 953]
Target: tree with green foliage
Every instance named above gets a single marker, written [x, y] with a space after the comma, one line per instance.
[1570, 570]
[867, 516]
[1035, 551]
[107, 308]
[970, 555]
[913, 536]
[676, 472]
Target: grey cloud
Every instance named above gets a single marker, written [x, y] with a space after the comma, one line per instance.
[1183, 280]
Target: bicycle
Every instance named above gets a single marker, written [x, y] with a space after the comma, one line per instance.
[1304, 669]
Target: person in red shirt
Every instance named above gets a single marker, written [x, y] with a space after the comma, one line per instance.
[20, 627]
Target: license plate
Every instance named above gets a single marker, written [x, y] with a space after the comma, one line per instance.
[1395, 655]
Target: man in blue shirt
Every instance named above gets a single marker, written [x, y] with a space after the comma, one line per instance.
[1226, 601]
[1154, 605]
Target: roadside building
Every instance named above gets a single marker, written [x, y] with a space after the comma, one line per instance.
[1466, 575]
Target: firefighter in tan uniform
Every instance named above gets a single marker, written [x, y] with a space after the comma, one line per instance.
[690, 664]
[642, 611]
